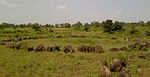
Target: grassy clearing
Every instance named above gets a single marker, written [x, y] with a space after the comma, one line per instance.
[21, 63]
[59, 64]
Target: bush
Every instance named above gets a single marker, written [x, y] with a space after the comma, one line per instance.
[148, 23]
[36, 27]
[147, 33]
[133, 31]
[77, 26]
[117, 26]
[142, 45]
[109, 26]
[86, 27]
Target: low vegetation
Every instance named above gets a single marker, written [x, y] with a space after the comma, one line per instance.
[96, 49]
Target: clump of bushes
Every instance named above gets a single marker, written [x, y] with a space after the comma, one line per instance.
[50, 30]
[86, 27]
[147, 33]
[142, 45]
[110, 27]
[17, 45]
[16, 31]
[77, 26]
[91, 48]
[116, 65]
[133, 31]
[36, 27]
[69, 48]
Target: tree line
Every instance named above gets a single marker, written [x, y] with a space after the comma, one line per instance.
[108, 25]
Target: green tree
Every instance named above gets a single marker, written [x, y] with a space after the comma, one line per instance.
[141, 23]
[67, 25]
[148, 23]
[96, 24]
[117, 26]
[109, 26]
[77, 25]
[36, 27]
[86, 27]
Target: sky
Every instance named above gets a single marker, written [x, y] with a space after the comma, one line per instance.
[71, 11]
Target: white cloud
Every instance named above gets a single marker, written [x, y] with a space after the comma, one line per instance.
[61, 7]
[117, 12]
[4, 15]
[22, 5]
[6, 3]
[37, 5]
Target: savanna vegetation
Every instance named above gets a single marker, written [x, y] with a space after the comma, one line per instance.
[97, 49]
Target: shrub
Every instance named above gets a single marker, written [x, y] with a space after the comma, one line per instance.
[147, 33]
[148, 23]
[36, 27]
[109, 26]
[77, 26]
[86, 27]
[142, 45]
[133, 31]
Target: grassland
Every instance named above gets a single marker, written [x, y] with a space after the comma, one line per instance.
[21, 63]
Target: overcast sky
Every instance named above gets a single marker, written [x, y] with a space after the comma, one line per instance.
[58, 11]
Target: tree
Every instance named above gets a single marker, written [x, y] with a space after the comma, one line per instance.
[62, 25]
[1, 26]
[67, 25]
[133, 30]
[57, 25]
[77, 25]
[109, 26]
[117, 26]
[96, 24]
[36, 27]
[86, 27]
[141, 23]
[148, 23]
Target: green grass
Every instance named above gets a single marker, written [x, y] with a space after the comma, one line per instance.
[76, 42]
[21, 63]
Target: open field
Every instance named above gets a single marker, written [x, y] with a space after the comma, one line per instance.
[21, 62]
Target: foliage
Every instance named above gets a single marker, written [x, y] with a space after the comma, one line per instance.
[148, 23]
[86, 27]
[96, 24]
[133, 30]
[77, 26]
[147, 33]
[109, 26]
[20, 63]
[36, 27]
